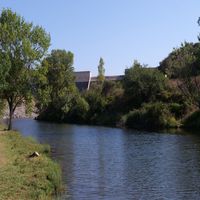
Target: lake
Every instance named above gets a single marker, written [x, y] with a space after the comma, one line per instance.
[111, 163]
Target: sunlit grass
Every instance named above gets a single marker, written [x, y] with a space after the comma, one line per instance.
[23, 177]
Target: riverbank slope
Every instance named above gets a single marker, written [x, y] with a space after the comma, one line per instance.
[23, 177]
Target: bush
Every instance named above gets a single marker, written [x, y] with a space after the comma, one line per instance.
[177, 109]
[97, 104]
[78, 112]
[151, 116]
[193, 121]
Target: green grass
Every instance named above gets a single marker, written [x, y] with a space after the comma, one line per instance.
[25, 178]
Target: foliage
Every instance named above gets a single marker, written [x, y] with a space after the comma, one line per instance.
[2, 107]
[55, 85]
[192, 121]
[143, 84]
[111, 89]
[190, 88]
[41, 88]
[60, 78]
[79, 110]
[177, 103]
[97, 105]
[182, 61]
[104, 103]
[178, 109]
[22, 46]
[101, 71]
[27, 178]
[183, 64]
[151, 116]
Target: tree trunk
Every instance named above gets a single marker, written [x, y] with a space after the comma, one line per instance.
[11, 111]
[10, 121]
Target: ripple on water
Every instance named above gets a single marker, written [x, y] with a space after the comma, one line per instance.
[110, 163]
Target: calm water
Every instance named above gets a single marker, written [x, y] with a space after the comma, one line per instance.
[109, 163]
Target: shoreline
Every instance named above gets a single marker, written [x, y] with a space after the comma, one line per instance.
[175, 130]
[25, 177]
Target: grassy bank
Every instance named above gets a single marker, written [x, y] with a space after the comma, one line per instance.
[22, 177]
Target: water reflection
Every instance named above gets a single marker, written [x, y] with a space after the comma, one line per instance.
[109, 163]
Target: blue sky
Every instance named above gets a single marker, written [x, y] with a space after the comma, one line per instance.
[117, 30]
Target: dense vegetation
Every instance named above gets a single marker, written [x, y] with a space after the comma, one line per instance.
[148, 98]
[22, 46]
[145, 99]
[22, 177]
[55, 85]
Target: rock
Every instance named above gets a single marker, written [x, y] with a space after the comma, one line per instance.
[34, 154]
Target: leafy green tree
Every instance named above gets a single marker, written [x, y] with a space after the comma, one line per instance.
[56, 87]
[105, 104]
[101, 71]
[143, 84]
[41, 89]
[22, 46]
[183, 64]
[78, 111]
[182, 61]
[113, 92]
[97, 104]
[2, 107]
[189, 79]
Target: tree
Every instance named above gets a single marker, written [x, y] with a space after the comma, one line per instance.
[183, 65]
[22, 46]
[186, 56]
[56, 87]
[143, 84]
[79, 110]
[97, 104]
[189, 81]
[2, 107]
[101, 71]
[189, 86]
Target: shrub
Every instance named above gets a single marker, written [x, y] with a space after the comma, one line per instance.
[193, 121]
[79, 111]
[177, 109]
[151, 116]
